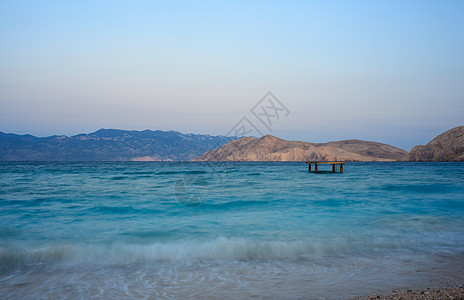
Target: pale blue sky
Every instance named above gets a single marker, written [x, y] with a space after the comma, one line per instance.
[388, 71]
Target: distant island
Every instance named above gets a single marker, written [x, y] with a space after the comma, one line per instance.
[148, 145]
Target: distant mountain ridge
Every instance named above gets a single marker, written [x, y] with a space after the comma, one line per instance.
[149, 145]
[271, 148]
[108, 145]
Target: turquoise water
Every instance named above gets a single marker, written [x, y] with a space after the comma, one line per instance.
[227, 230]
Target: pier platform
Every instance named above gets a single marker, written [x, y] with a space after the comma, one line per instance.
[333, 163]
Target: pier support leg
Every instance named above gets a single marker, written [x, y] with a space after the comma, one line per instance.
[341, 168]
[309, 167]
[315, 168]
[333, 168]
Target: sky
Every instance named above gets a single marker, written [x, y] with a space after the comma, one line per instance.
[386, 71]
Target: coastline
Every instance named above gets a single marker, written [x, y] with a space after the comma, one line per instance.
[125, 225]
[442, 290]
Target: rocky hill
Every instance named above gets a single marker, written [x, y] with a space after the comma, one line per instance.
[108, 145]
[271, 148]
[448, 146]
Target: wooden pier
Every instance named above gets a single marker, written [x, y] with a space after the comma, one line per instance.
[333, 163]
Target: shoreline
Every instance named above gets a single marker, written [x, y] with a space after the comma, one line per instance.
[443, 290]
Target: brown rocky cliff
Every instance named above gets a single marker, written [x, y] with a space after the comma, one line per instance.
[448, 146]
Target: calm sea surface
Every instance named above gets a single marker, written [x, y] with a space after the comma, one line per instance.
[227, 230]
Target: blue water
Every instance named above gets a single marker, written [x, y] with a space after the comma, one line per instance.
[227, 230]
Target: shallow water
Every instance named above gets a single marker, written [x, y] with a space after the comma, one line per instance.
[234, 230]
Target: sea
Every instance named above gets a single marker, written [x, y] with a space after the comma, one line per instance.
[227, 230]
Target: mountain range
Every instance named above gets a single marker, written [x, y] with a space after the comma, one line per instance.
[148, 145]
[108, 145]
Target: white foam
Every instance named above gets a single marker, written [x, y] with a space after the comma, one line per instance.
[216, 249]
